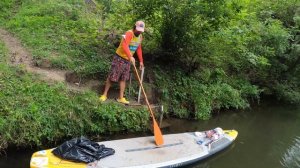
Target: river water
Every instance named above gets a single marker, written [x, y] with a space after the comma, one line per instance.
[269, 137]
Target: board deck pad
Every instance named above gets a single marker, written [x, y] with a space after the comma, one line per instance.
[178, 149]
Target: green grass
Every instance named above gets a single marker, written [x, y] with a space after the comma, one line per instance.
[34, 113]
[64, 32]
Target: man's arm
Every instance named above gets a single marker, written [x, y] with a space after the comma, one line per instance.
[140, 53]
[125, 44]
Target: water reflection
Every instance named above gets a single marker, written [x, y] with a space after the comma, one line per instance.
[291, 158]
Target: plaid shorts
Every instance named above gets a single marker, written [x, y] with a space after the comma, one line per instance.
[120, 69]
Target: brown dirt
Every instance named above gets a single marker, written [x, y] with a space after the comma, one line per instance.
[19, 56]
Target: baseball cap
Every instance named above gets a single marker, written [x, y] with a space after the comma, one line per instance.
[140, 26]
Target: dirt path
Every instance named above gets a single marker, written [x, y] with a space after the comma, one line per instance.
[18, 55]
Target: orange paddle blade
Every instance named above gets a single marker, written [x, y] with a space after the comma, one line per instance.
[157, 134]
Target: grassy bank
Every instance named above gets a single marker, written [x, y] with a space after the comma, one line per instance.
[33, 112]
[200, 57]
[73, 35]
[64, 33]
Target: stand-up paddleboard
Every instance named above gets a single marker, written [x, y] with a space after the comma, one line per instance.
[178, 150]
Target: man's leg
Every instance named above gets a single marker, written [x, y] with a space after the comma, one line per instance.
[103, 97]
[121, 98]
[107, 86]
[125, 68]
[122, 88]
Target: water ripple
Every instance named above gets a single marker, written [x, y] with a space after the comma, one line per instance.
[291, 158]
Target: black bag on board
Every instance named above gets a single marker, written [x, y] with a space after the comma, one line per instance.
[82, 150]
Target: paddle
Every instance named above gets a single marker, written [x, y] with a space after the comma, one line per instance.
[157, 132]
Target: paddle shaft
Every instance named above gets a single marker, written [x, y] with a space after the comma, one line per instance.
[157, 132]
[140, 89]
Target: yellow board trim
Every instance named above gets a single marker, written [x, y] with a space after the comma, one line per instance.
[231, 133]
[45, 159]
